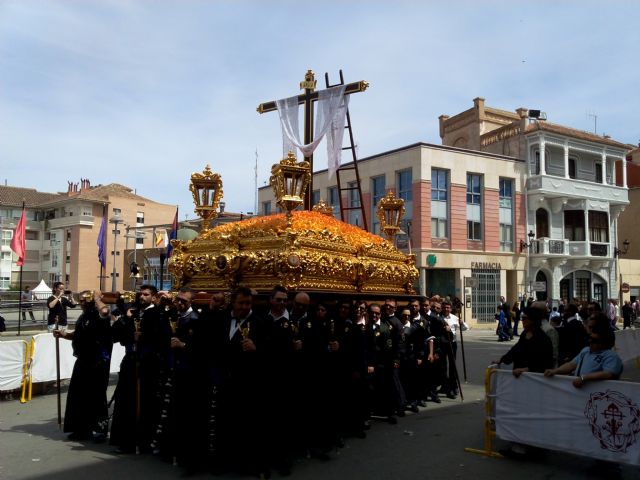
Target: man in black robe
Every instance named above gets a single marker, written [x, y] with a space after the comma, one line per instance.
[86, 413]
[146, 335]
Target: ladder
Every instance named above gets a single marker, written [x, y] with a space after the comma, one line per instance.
[345, 209]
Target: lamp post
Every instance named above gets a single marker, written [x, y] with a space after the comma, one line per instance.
[206, 188]
[528, 247]
[289, 180]
[116, 219]
[390, 212]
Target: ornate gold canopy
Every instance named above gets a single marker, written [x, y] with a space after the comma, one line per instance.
[300, 250]
[317, 253]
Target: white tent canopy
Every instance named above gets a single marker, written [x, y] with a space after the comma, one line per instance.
[42, 291]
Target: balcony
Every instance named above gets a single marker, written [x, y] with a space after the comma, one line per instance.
[551, 187]
[564, 248]
[63, 222]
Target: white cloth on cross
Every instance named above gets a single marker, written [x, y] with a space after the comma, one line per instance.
[330, 120]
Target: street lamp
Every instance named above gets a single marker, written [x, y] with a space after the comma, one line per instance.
[625, 248]
[116, 219]
[524, 245]
[390, 212]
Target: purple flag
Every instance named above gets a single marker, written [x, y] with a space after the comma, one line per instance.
[102, 243]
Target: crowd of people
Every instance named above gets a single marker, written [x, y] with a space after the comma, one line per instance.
[238, 386]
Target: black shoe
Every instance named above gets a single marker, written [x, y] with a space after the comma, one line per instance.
[451, 395]
[400, 412]
[435, 399]
[421, 403]
[77, 436]
[414, 408]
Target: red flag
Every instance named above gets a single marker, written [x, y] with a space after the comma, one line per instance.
[18, 242]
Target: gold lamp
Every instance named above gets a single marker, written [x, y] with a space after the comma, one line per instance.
[390, 211]
[206, 188]
[289, 180]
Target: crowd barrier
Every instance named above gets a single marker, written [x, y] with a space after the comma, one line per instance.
[22, 364]
[14, 357]
[601, 420]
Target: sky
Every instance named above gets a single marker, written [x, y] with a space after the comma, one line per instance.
[143, 93]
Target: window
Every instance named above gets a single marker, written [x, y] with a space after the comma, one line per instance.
[140, 239]
[403, 185]
[5, 256]
[266, 208]
[5, 283]
[574, 225]
[439, 206]
[377, 192]
[474, 215]
[333, 200]
[31, 235]
[542, 223]
[140, 219]
[7, 235]
[86, 211]
[315, 197]
[354, 217]
[68, 232]
[598, 172]
[598, 227]
[572, 168]
[506, 214]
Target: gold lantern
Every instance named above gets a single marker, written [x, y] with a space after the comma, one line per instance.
[206, 188]
[289, 181]
[390, 212]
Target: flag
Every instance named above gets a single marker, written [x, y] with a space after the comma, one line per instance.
[161, 238]
[18, 242]
[173, 235]
[102, 243]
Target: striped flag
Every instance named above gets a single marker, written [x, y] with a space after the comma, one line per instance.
[161, 239]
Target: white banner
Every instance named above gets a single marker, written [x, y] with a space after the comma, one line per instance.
[628, 344]
[116, 358]
[43, 366]
[12, 357]
[600, 420]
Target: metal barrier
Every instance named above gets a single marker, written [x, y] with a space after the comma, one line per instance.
[489, 419]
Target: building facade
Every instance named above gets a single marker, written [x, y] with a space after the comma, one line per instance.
[572, 195]
[62, 234]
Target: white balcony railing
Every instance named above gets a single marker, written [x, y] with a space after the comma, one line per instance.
[551, 247]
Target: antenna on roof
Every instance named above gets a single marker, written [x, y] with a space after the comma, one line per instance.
[595, 121]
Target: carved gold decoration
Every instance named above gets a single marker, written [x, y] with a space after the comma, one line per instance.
[390, 212]
[312, 252]
[323, 207]
[206, 188]
[309, 82]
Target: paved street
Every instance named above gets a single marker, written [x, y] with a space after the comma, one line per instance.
[428, 445]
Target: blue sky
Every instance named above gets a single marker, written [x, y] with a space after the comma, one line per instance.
[144, 93]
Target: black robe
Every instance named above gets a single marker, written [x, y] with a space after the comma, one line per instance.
[86, 409]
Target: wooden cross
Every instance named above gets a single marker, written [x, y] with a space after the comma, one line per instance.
[308, 98]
